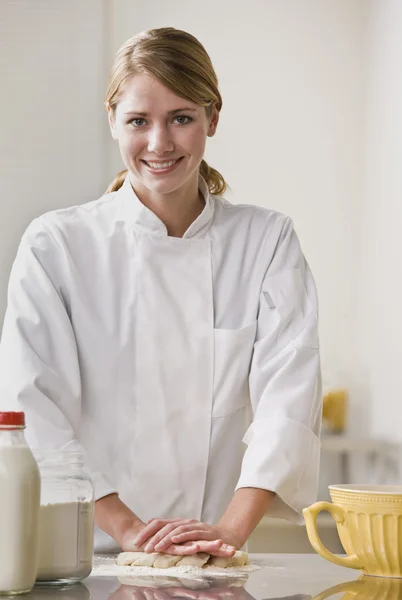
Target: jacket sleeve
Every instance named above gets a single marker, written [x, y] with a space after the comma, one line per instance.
[39, 367]
[283, 447]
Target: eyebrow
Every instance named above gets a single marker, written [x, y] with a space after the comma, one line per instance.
[170, 113]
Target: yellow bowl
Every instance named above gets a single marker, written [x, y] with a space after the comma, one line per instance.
[369, 523]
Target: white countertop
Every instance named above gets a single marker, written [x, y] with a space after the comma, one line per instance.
[280, 576]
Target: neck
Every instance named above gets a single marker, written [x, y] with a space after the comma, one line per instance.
[177, 210]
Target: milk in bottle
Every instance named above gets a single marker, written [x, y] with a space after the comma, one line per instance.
[19, 507]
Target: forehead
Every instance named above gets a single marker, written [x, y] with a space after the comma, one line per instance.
[144, 93]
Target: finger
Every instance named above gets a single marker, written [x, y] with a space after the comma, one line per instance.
[149, 530]
[162, 533]
[183, 550]
[185, 526]
[192, 533]
[216, 547]
[196, 534]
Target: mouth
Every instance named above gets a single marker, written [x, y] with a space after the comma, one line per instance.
[162, 167]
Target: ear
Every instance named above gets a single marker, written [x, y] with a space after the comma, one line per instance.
[112, 121]
[213, 122]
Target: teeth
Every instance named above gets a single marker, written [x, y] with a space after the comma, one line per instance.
[164, 165]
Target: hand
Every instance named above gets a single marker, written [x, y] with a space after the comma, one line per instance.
[161, 534]
[133, 532]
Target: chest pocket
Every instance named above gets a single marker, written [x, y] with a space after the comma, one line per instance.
[233, 350]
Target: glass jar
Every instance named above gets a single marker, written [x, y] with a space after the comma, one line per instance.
[19, 507]
[66, 520]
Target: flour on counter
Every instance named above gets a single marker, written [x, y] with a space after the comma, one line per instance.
[106, 566]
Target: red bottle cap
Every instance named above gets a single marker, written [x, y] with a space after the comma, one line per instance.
[12, 419]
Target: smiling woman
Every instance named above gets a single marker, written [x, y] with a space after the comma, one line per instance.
[159, 326]
[174, 61]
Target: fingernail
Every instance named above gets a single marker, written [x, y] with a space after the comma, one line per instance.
[148, 548]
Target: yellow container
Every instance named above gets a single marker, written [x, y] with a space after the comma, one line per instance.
[369, 523]
[334, 409]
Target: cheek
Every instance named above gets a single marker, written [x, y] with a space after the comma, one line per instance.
[128, 142]
[195, 141]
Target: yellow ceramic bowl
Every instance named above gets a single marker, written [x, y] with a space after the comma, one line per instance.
[369, 523]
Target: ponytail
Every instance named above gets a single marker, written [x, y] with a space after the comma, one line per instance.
[215, 181]
[117, 182]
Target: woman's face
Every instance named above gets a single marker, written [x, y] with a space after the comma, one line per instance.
[160, 135]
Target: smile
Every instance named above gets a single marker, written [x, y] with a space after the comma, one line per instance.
[164, 167]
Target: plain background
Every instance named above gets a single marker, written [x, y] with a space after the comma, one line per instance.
[311, 126]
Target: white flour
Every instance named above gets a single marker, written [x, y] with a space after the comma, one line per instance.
[65, 541]
[108, 568]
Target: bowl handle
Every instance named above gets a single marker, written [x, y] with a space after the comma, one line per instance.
[337, 512]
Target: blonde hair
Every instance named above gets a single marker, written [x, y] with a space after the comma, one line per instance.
[180, 62]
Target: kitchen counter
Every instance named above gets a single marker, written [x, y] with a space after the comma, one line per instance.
[281, 576]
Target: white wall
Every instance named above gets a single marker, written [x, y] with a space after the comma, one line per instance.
[52, 141]
[293, 79]
[381, 292]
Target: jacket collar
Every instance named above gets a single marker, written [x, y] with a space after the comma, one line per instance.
[144, 218]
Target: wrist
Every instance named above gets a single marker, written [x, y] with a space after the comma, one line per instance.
[230, 535]
[115, 518]
[244, 512]
[125, 525]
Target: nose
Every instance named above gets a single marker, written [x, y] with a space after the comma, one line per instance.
[160, 140]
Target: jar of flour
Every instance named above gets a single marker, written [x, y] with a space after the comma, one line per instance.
[19, 507]
[66, 518]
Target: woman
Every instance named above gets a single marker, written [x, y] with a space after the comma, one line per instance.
[159, 326]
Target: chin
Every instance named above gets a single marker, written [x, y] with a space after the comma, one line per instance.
[162, 187]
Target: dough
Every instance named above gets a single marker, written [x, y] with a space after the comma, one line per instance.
[164, 561]
[194, 560]
[126, 558]
[136, 559]
[144, 559]
[239, 559]
[159, 560]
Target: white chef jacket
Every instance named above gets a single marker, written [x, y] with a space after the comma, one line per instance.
[158, 355]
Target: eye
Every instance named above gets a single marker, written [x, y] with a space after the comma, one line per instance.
[183, 119]
[138, 122]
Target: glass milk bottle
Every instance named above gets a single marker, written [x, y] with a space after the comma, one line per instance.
[19, 507]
